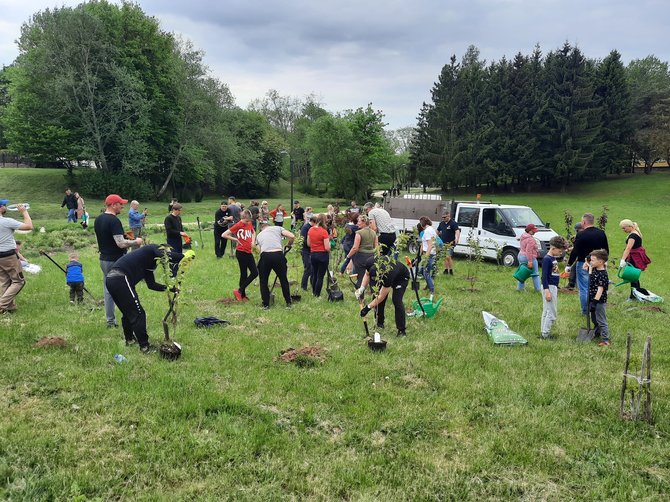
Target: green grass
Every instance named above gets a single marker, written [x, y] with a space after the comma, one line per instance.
[441, 415]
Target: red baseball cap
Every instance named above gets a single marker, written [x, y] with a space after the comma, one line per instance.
[114, 199]
[531, 228]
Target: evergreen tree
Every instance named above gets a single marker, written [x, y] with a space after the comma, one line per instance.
[612, 91]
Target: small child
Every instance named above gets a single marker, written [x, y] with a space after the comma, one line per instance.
[550, 279]
[74, 276]
[598, 284]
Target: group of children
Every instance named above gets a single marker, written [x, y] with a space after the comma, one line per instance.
[597, 293]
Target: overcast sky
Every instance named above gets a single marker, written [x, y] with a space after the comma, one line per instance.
[385, 52]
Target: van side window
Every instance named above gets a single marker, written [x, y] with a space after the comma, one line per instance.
[468, 216]
[493, 221]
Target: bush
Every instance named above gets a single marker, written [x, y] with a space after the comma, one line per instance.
[101, 184]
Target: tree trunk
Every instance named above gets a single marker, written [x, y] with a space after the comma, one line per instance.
[171, 173]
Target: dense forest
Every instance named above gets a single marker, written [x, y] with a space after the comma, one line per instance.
[101, 85]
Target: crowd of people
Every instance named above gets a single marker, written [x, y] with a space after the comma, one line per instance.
[367, 252]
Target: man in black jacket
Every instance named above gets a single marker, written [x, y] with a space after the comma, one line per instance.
[589, 239]
[222, 220]
[121, 281]
[71, 202]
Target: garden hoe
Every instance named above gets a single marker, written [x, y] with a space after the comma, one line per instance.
[202, 242]
[95, 300]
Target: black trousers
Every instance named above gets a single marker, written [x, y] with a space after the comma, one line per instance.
[307, 267]
[362, 263]
[397, 294]
[319, 262]
[76, 288]
[387, 242]
[134, 320]
[247, 264]
[276, 262]
[219, 242]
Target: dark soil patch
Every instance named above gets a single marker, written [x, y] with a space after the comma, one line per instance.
[307, 356]
[226, 301]
[653, 308]
[567, 291]
[50, 341]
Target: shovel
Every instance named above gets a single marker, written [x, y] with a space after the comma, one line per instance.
[587, 334]
[416, 290]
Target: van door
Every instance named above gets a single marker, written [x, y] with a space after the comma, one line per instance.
[468, 221]
[495, 233]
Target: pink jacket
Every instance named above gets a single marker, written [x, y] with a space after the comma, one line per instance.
[528, 246]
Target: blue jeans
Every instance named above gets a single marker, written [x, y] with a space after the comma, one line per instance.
[583, 284]
[523, 260]
[346, 250]
[71, 216]
[427, 273]
[110, 314]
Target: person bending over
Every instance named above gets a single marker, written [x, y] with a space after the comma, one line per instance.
[121, 280]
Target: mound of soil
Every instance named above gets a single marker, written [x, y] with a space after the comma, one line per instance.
[50, 341]
[226, 300]
[306, 356]
[567, 291]
[653, 308]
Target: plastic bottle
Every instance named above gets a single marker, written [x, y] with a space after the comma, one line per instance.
[119, 358]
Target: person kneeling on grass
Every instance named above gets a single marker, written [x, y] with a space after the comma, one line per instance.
[550, 278]
[243, 234]
[598, 285]
[394, 277]
[121, 281]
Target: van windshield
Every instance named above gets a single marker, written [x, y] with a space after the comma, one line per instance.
[522, 216]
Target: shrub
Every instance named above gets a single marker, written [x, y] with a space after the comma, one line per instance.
[101, 184]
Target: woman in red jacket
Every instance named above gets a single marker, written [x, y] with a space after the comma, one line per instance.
[318, 241]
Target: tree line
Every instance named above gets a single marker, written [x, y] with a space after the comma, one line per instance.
[552, 120]
[102, 83]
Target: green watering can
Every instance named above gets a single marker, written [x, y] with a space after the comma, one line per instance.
[429, 307]
[522, 273]
[629, 274]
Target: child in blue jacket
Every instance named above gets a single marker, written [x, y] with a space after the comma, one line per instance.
[74, 276]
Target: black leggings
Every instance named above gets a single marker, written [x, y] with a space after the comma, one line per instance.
[319, 262]
[247, 263]
[219, 242]
[134, 320]
[397, 294]
[269, 262]
[307, 267]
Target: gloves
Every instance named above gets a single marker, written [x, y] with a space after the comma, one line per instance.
[567, 269]
[365, 310]
[622, 263]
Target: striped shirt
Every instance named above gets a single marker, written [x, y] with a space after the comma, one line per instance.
[383, 220]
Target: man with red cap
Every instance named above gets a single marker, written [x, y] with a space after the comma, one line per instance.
[11, 273]
[112, 245]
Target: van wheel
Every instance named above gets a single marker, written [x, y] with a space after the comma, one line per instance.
[510, 257]
[412, 246]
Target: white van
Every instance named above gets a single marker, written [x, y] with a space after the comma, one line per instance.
[498, 228]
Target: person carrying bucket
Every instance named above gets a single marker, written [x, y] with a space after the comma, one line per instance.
[634, 254]
[528, 257]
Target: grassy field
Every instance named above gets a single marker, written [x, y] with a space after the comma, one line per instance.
[441, 415]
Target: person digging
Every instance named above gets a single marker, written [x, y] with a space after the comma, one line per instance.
[121, 280]
[394, 278]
